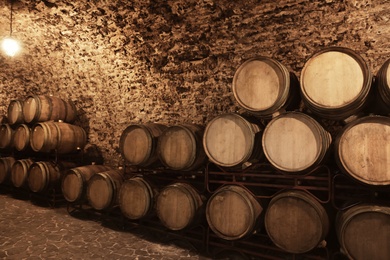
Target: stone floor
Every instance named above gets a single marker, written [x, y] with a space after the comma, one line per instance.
[32, 231]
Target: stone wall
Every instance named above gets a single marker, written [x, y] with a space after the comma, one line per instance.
[125, 62]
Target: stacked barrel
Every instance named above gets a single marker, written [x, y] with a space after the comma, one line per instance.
[303, 168]
[329, 119]
[39, 131]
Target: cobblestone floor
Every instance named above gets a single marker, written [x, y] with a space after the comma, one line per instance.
[32, 231]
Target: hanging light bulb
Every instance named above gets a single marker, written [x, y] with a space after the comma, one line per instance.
[9, 44]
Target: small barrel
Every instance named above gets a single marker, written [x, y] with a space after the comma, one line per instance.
[180, 147]
[363, 232]
[136, 198]
[264, 86]
[21, 140]
[43, 176]
[233, 213]
[230, 140]
[178, 206]
[15, 112]
[138, 144]
[296, 222]
[6, 164]
[57, 136]
[295, 142]
[362, 150]
[19, 172]
[75, 180]
[41, 108]
[336, 83]
[103, 188]
[382, 90]
[6, 136]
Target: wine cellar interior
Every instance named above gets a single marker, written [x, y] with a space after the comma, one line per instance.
[209, 129]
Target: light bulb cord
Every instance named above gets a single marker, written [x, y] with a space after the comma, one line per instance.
[11, 17]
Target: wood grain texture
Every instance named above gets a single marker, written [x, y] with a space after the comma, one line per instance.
[136, 198]
[230, 140]
[296, 222]
[232, 212]
[363, 232]
[295, 142]
[363, 150]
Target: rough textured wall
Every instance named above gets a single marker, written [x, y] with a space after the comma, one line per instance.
[125, 62]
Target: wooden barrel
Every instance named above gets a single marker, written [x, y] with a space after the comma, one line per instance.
[138, 144]
[6, 136]
[103, 188]
[382, 90]
[363, 232]
[232, 212]
[295, 142]
[136, 198]
[57, 136]
[335, 83]
[178, 206]
[362, 150]
[21, 140]
[19, 172]
[41, 108]
[43, 176]
[74, 181]
[230, 140]
[296, 222]
[6, 164]
[15, 112]
[180, 147]
[264, 86]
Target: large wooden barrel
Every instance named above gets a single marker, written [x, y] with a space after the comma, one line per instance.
[41, 108]
[15, 112]
[363, 232]
[231, 140]
[46, 175]
[264, 86]
[19, 172]
[178, 206]
[296, 222]
[335, 83]
[103, 188]
[180, 147]
[137, 198]
[57, 136]
[74, 182]
[382, 90]
[295, 142]
[21, 140]
[233, 213]
[138, 144]
[362, 150]
[6, 136]
[6, 164]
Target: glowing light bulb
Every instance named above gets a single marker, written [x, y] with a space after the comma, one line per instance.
[10, 46]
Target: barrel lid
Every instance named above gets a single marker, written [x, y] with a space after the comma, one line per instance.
[72, 186]
[177, 147]
[293, 142]
[135, 198]
[228, 140]
[363, 150]
[100, 191]
[296, 222]
[231, 213]
[259, 83]
[137, 144]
